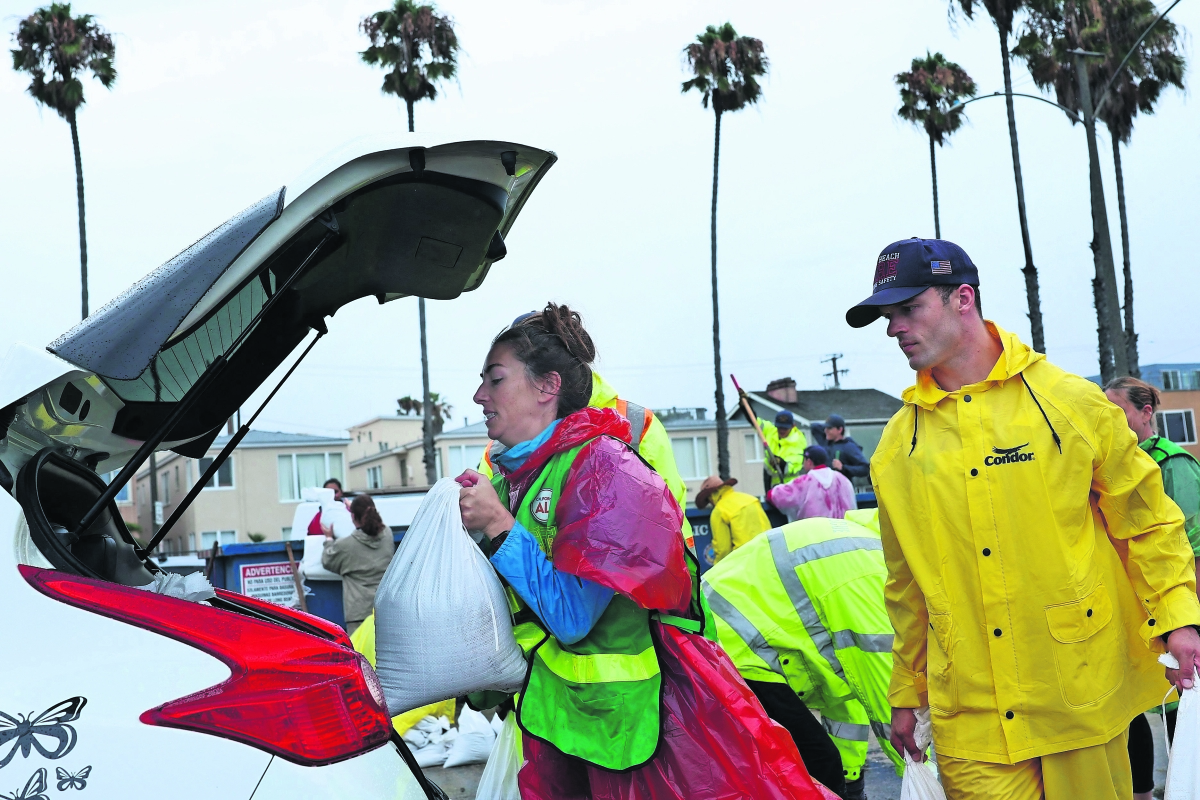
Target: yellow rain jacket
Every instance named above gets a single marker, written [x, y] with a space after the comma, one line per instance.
[736, 519]
[1033, 560]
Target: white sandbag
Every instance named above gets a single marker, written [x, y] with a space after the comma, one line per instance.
[499, 779]
[430, 740]
[442, 625]
[193, 587]
[1183, 766]
[921, 780]
[474, 742]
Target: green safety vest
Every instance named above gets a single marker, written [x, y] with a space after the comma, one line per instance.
[803, 605]
[596, 699]
[1160, 449]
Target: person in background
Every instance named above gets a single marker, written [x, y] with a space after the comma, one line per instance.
[1035, 566]
[624, 698]
[785, 443]
[318, 528]
[845, 456]
[818, 492]
[800, 611]
[816, 433]
[361, 559]
[1181, 481]
[736, 516]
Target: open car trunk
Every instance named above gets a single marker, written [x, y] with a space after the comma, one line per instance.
[166, 363]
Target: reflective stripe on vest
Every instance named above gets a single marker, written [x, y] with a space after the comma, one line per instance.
[743, 628]
[639, 421]
[867, 642]
[850, 731]
[786, 562]
[598, 667]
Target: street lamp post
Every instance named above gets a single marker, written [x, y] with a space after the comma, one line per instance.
[1113, 357]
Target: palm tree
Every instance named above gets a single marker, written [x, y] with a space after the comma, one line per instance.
[725, 69]
[1002, 13]
[56, 48]
[928, 92]
[1111, 27]
[441, 410]
[418, 48]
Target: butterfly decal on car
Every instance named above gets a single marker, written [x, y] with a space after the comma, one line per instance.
[68, 781]
[49, 732]
[35, 788]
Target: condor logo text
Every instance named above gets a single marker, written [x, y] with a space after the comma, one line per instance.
[1008, 455]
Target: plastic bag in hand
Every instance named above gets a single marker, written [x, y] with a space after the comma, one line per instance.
[474, 742]
[499, 779]
[920, 780]
[442, 626]
[1183, 771]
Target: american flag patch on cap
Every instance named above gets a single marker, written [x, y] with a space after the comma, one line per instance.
[940, 267]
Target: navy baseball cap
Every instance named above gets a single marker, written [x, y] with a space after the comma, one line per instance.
[785, 417]
[908, 267]
[835, 421]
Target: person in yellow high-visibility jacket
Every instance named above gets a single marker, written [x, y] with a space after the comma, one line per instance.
[786, 443]
[1036, 568]
[800, 612]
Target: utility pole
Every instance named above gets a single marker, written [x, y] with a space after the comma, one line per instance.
[1113, 358]
[836, 373]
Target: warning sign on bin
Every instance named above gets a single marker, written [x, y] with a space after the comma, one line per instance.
[270, 582]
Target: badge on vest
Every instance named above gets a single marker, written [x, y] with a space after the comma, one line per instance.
[540, 508]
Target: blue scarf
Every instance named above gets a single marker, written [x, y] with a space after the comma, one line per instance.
[512, 458]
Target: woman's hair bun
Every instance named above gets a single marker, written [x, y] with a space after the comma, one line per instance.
[568, 326]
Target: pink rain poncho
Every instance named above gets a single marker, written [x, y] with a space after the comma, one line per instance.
[821, 492]
[618, 525]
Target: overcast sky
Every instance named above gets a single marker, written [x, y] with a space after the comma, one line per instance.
[220, 102]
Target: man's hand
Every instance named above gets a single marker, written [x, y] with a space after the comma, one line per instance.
[904, 725]
[1184, 644]
[836, 465]
[481, 507]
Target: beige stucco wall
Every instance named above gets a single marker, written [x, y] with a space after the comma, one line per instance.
[252, 505]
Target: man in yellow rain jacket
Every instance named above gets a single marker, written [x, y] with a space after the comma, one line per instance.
[1035, 565]
[736, 516]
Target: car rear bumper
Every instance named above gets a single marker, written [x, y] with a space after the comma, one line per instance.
[379, 775]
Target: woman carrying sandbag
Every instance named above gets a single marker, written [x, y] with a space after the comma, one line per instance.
[623, 698]
[360, 558]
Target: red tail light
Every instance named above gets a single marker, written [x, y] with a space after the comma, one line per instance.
[306, 699]
[289, 616]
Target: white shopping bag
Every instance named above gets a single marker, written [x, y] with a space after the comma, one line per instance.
[921, 780]
[442, 625]
[1183, 771]
[499, 779]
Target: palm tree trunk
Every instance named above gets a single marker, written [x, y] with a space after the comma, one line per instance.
[1112, 357]
[722, 428]
[1032, 291]
[937, 224]
[430, 452]
[430, 457]
[82, 231]
[1131, 349]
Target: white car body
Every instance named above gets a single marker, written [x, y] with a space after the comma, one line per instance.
[119, 692]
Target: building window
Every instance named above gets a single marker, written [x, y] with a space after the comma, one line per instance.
[374, 477]
[403, 471]
[191, 542]
[224, 477]
[464, 457]
[691, 457]
[123, 495]
[300, 471]
[209, 538]
[1178, 426]
[1174, 380]
[287, 533]
[753, 447]
[164, 488]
